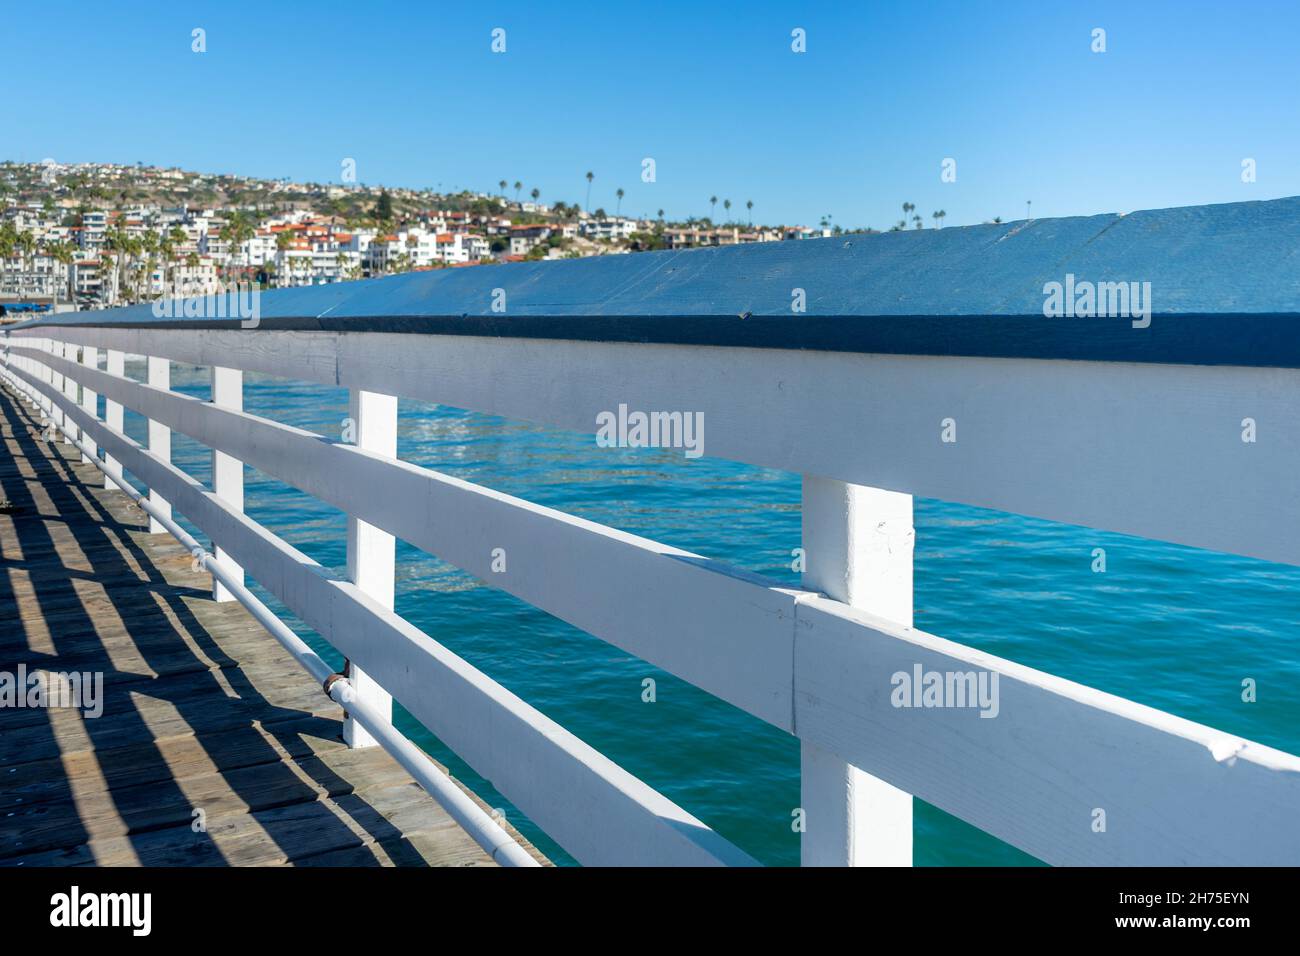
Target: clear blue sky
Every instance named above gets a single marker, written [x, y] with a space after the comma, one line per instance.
[853, 127]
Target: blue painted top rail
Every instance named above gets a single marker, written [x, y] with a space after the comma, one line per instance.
[1224, 289]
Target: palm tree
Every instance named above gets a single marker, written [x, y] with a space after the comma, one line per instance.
[938, 218]
[134, 250]
[166, 250]
[661, 215]
[726, 206]
[283, 241]
[907, 210]
[149, 243]
[8, 239]
[590, 177]
[146, 273]
[713, 205]
[63, 255]
[749, 205]
[26, 246]
[917, 220]
[115, 242]
[503, 185]
[619, 193]
[518, 186]
[536, 194]
[235, 233]
[176, 236]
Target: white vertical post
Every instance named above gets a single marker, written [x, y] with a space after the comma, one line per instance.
[114, 364]
[55, 380]
[858, 544]
[70, 430]
[227, 472]
[89, 399]
[52, 413]
[43, 373]
[371, 552]
[160, 437]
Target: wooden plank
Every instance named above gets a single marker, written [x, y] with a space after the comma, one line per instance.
[271, 837]
[219, 793]
[165, 758]
[188, 705]
[88, 623]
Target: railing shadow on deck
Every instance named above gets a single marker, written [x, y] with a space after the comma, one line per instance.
[146, 603]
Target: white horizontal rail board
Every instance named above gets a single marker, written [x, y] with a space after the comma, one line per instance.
[1135, 448]
[593, 808]
[725, 631]
[1173, 792]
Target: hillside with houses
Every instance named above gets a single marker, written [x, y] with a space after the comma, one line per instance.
[97, 235]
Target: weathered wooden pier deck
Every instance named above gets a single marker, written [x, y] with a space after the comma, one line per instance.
[202, 710]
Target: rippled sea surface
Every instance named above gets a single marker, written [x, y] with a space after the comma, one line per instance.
[1172, 627]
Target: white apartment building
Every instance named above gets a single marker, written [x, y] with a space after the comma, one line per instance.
[383, 253]
[357, 241]
[260, 249]
[608, 229]
[197, 279]
[524, 238]
[93, 227]
[452, 248]
[33, 278]
[477, 247]
[293, 266]
[92, 279]
[421, 249]
[336, 264]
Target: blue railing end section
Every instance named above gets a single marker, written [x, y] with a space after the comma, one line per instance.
[1219, 285]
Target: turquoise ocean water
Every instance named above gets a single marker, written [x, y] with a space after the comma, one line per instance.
[1171, 627]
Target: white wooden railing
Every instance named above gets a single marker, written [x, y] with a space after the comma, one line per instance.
[1083, 442]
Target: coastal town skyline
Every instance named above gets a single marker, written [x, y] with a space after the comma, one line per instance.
[98, 235]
